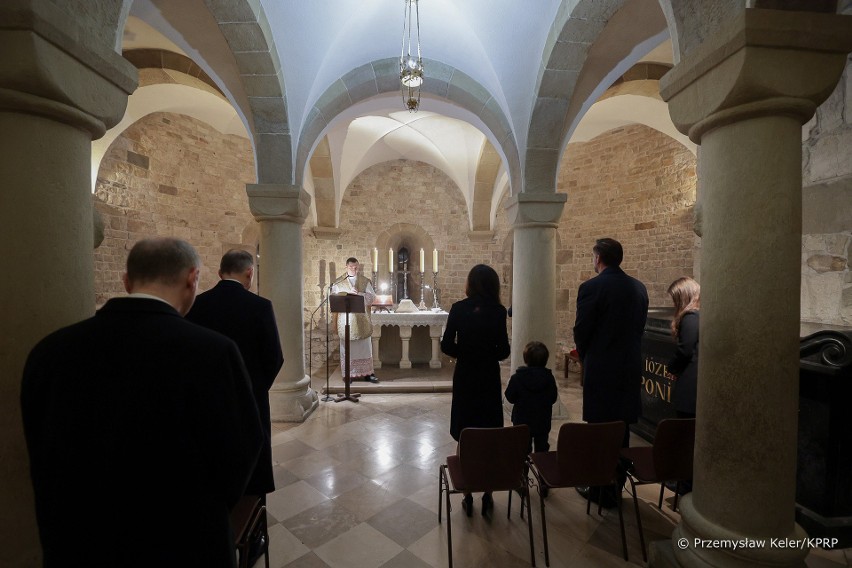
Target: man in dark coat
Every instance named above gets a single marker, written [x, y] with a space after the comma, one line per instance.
[248, 319]
[611, 312]
[141, 427]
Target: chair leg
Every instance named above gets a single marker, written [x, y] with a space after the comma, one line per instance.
[677, 494]
[440, 490]
[618, 500]
[526, 497]
[638, 519]
[509, 507]
[449, 532]
[662, 494]
[543, 527]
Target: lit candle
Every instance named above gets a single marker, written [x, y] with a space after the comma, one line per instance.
[434, 260]
[422, 261]
[390, 260]
[375, 260]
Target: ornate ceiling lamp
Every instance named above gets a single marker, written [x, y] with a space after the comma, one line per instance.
[411, 65]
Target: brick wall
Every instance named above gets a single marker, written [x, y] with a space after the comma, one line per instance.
[633, 184]
[171, 175]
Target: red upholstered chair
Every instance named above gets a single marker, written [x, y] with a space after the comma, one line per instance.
[248, 521]
[668, 460]
[586, 456]
[487, 460]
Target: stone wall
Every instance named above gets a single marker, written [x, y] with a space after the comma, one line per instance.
[171, 175]
[633, 184]
[827, 210]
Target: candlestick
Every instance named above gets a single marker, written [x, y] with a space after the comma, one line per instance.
[435, 305]
[422, 262]
[390, 260]
[422, 305]
[434, 260]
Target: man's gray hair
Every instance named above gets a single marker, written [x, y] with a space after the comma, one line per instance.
[161, 260]
[236, 261]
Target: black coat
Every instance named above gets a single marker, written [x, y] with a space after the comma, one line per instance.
[249, 320]
[476, 336]
[684, 364]
[142, 433]
[611, 311]
[532, 391]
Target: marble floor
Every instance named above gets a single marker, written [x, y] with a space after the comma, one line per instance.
[357, 488]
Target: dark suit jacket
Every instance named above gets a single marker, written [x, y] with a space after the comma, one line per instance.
[141, 428]
[476, 336]
[684, 364]
[249, 320]
[611, 312]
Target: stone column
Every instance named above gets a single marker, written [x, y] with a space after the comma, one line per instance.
[435, 333]
[56, 96]
[405, 336]
[743, 95]
[281, 210]
[534, 217]
[377, 336]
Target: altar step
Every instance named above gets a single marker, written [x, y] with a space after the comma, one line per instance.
[392, 380]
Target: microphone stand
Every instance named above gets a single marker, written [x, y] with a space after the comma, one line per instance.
[328, 396]
[323, 303]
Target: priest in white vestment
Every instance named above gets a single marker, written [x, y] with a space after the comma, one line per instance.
[360, 327]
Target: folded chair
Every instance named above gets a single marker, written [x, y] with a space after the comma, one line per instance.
[487, 460]
[586, 456]
[248, 521]
[668, 460]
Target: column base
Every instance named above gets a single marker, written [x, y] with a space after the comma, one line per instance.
[434, 364]
[751, 550]
[292, 406]
[405, 364]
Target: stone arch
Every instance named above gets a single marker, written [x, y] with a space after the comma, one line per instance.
[586, 44]
[322, 171]
[484, 190]
[382, 76]
[245, 28]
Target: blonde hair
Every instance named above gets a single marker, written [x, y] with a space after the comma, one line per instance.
[686, 295]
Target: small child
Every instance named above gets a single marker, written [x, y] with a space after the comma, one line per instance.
[532, 390]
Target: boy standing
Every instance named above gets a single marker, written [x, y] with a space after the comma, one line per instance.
[532, 391]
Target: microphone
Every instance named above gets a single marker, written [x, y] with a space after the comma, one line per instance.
[342, 276]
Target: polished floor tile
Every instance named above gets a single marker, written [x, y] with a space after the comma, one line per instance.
[357, 487]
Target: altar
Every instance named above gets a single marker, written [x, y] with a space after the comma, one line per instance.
[406, 322]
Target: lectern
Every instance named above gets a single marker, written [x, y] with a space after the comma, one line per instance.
[340, 304]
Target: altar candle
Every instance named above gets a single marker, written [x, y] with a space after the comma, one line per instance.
[390, 260]
[434, 260]
[422, 261]
[375, 260]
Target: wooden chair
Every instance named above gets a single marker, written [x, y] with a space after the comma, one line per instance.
[248, 521]
[586, 456]
[668, 460]
[487, 460]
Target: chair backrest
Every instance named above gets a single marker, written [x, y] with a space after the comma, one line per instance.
[674, 445]
[587, 454]
[492, 459]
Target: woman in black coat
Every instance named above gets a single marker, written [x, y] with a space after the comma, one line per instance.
[475, 335]
[686, 295]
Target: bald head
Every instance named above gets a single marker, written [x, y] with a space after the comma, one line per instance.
[164, 267]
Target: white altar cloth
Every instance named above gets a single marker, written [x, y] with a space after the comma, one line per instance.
[435, 321]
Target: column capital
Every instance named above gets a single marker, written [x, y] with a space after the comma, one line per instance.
[535, 209]
[278, 202]
[47, 71]
[760, 63]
